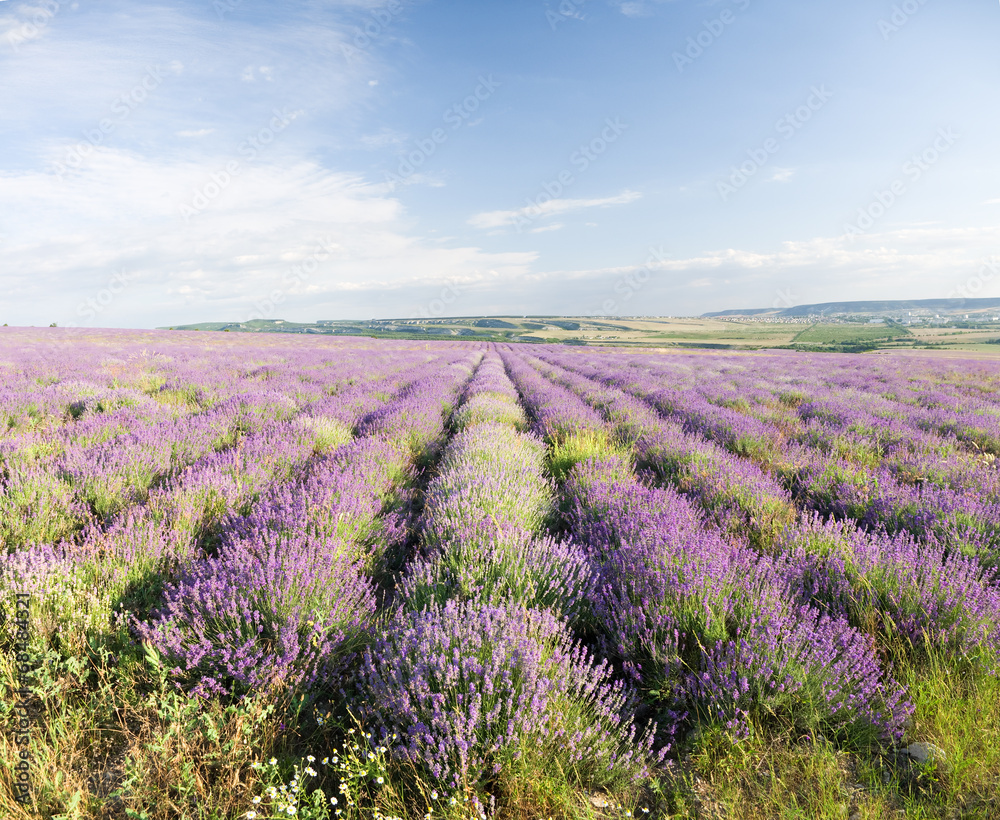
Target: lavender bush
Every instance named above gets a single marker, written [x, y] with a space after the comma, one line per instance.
[482, 695]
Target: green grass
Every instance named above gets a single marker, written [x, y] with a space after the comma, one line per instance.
[569, 451]
[820, 334]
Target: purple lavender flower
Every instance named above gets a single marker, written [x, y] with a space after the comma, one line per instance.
[468, 688]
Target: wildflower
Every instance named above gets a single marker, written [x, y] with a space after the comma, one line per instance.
[251, 815]
[434, 795]
[311, 759]
[273, 761]
[333, 801]
[380, 780]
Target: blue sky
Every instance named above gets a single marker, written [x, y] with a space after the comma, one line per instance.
[174, 162]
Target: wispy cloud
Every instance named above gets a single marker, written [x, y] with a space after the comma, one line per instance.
[638, 8]
[499, 219]
[385, 137]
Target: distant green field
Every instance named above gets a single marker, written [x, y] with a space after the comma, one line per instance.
[748, 333]
[849, 334]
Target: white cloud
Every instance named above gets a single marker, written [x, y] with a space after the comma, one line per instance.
[634, 9]
[498, 219]
[201, 132]
[386, 136]
[558, 226]
[782, 174]
[637, 8]
[121, 211]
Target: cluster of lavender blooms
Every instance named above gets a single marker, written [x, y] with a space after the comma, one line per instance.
[482, 529]
[920, 590]
[477, 692]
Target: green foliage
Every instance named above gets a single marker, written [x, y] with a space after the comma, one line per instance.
[573, 448]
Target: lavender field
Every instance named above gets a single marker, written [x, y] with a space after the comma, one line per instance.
[269, 577]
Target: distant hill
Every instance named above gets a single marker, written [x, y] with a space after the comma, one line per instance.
[888, 307]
